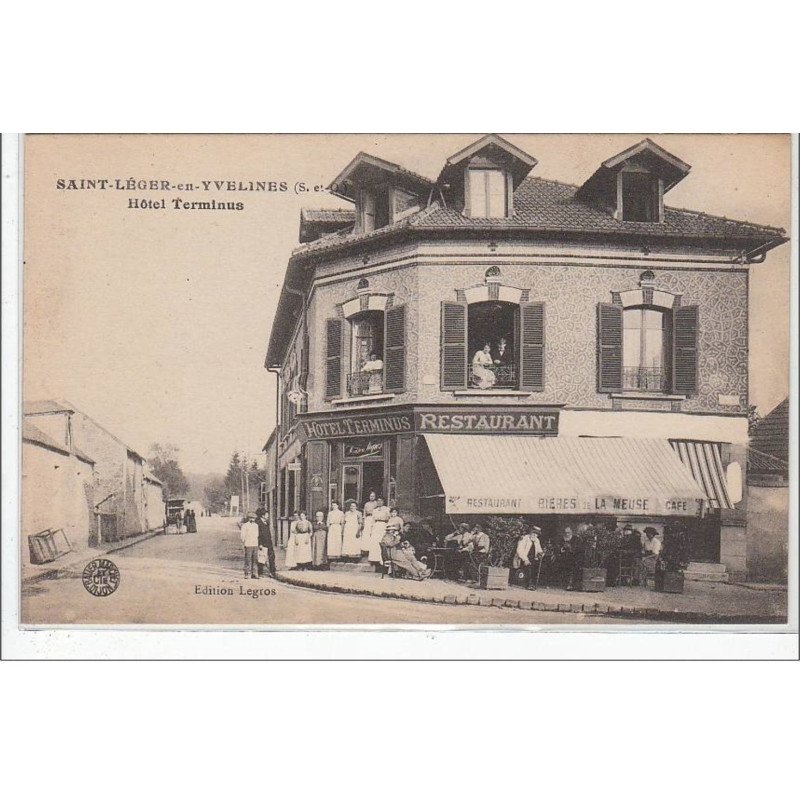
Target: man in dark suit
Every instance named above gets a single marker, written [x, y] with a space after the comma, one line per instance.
[265, 540]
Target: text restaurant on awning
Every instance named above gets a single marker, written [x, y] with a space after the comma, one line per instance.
[531, 475]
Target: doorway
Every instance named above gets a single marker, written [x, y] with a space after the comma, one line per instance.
[372, 480]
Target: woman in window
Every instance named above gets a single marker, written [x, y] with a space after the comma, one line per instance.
[482, 376]
[374, 370]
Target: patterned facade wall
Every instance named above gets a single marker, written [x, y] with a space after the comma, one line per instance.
[571, 295]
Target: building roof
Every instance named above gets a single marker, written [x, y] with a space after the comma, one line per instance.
[35, 435]
[316, 222]
[365, 167]
[549, 206]
[148, 476]
[46, 407]
[770, 436]
[270, 440]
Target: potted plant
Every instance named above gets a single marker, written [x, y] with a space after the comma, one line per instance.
[503, 532]
[672, 561]
[596, 544]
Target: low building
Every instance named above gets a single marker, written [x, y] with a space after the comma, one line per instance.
[58, 488]
[119, 491]
[154, 507]
[492, 342]
[768, 497]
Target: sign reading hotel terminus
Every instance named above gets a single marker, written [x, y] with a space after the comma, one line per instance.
[492, 421]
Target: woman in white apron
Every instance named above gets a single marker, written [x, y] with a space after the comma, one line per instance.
[302, 541]
[351, 533]
[380, 517]
[335, 521]
[366, 533]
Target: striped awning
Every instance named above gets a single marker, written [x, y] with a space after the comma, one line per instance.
[563, 475]
[704, 459]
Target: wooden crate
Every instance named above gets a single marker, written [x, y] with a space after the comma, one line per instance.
[493, 577]
[669, 582]
[590, 579]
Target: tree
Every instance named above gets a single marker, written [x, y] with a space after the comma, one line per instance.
[216, 492]
[163, 462]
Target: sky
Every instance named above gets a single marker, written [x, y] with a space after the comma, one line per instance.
[155, 321]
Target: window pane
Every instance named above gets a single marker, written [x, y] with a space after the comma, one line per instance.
[496, 187]
[654, 349]
[631, 347]
[477, 193]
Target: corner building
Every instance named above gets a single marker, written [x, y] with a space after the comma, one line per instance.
[490, 342]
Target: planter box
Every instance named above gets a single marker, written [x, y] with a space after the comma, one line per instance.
[493, 577]
[590, 579]
[671, 582]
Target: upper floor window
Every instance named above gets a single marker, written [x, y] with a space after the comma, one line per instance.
[487, 195]
[373, 209]
[646, 347]
[640, 197]
[366, 354]
[492, 345]
[491, 331]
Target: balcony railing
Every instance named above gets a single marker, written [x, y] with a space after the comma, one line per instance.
[364, 383]
[644, 378]
[493, 376]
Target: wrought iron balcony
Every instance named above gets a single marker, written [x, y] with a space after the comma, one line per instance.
[364, 383]
[645, 379]
[492, 376]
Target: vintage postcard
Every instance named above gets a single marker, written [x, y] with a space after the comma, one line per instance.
[378, 379]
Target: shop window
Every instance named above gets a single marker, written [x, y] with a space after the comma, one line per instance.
[641, 197]
[487, 193]
[366, 354]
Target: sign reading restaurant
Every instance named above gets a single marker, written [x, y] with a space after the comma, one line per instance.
[462, 420]
[573, 504]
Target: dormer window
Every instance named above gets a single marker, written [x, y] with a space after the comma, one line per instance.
[640, 196]
[373, 209]
[487, 193]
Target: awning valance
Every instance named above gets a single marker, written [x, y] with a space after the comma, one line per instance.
[563, 475]
[704, 459]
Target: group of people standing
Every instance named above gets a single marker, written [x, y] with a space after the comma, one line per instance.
[185, 520]
[351, 535]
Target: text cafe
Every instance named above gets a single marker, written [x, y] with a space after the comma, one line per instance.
[439, 462]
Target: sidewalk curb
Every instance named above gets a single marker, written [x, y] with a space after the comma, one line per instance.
[48, 574]
[636, 612]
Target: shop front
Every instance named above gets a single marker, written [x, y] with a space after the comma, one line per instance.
[448, 462]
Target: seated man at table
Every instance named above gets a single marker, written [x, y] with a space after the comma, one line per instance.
[651, 549]
[459, 537]
[476, 552]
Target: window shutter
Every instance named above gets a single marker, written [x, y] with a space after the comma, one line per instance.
[333, 359]
[395, 343]
[531, 360]
[454, 345]
[685, 321]
[609, 347]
